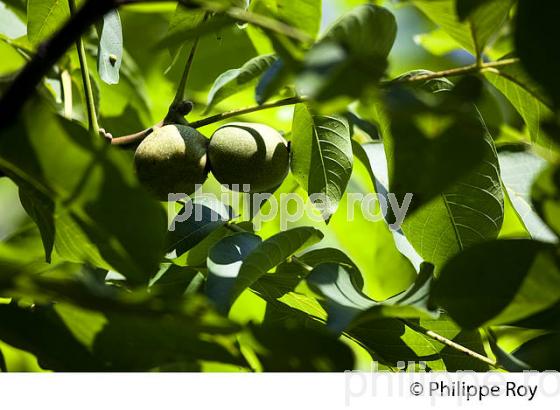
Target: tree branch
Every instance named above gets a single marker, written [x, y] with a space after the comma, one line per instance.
[470, 69]
[235, 113]
[450, 343]
[47, 55]
[132, 139]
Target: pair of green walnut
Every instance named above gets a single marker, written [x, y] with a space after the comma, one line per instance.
[176, 158]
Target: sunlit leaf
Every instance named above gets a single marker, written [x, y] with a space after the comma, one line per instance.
[110, 48]
[44, 17]
[476, 32]
[322, 157]
[519, 171]
[239, 79]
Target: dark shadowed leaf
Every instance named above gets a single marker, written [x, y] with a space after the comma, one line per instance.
[546, 197]
[289, 348]
[343, 300]
[505, 359]
[98, 203]
[224, 263]
[467, 7]
[174, 281]
[393, 343]
[272, 81]
[66, 338]
[521, 278]
[272, 253]
[540, 353]
[542, 62]
[195, 221]
[347, 307]
[289, 274]
[469, 207]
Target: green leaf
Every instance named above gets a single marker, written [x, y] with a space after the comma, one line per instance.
[272, 81]
[289, 274]
[295, 348]
[3, 367]
[343, 300]
[350, 56]
[91, 185]
[66, 338]
[44, 17]
[183, 19]
[472, 340]
[536, 23]
[271, 253]
[174, 281]
[190, 27]
[547, 319]
[527, 98]
[110, 52]
[372, 155]
[541, 353]
[520, 277]
[545, 194]
[225, 260]
[347, 306]
[519, 170]
[481, 25]
[322, 157]
[58, 229]
[196, 220]
[394, 343]
[239, 79]
[505, 359]
[305, 16]
[468, 211]
[368, 30]
[427, 160]
[413, 303]
[437, 42]
[467, 7]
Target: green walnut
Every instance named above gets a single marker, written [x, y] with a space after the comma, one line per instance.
[253, 155]
[172, 159]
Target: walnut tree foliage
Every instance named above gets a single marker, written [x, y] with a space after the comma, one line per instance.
[466, 119]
